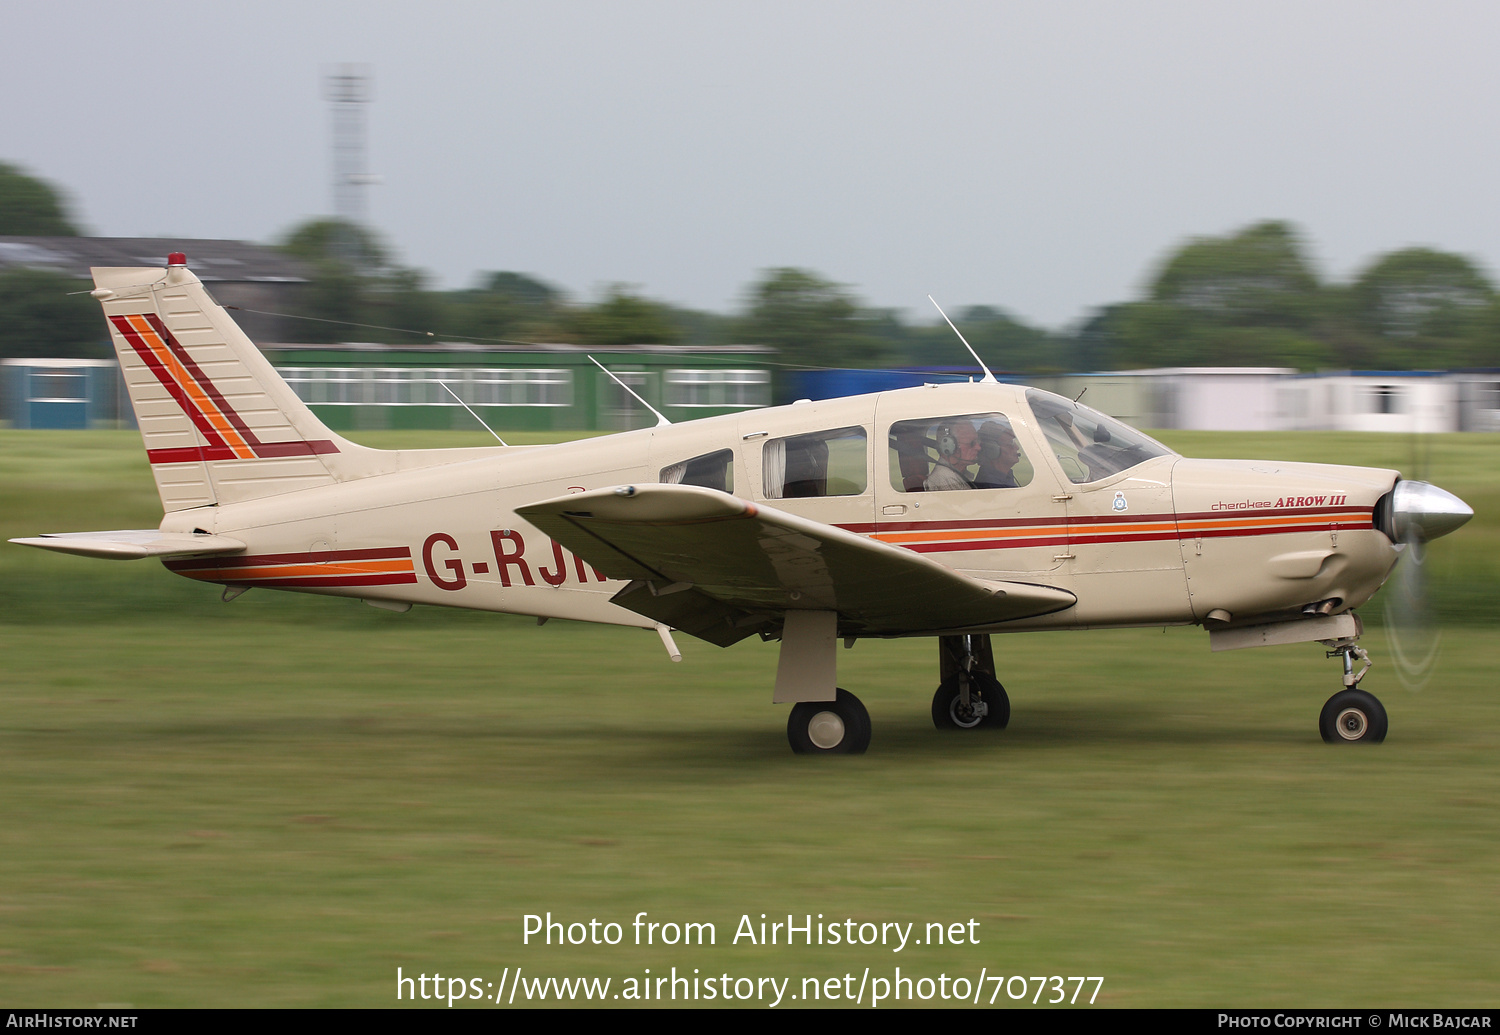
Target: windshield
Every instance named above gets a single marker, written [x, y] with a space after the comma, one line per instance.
[1089, 445]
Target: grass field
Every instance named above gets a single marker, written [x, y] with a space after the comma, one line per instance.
[280, 801]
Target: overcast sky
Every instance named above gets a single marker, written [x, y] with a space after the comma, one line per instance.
[1042, 157]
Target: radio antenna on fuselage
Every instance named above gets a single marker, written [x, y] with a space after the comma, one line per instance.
[661, 421]
[988, 377]
[476, 416]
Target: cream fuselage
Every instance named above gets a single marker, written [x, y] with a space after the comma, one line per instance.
[1165, 542]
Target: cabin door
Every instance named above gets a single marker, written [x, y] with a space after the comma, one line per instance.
[966, 489]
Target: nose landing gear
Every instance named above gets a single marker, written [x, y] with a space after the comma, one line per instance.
[1352, 716]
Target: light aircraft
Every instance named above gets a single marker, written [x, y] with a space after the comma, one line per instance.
[954, 511]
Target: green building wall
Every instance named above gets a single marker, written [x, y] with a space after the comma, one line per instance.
[363, 388]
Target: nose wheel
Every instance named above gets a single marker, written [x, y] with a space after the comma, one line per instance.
[1352, 716]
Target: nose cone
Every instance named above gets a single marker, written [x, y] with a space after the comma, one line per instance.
[1426, 512]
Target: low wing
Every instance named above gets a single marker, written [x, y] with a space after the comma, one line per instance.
[721, 568]
[133, 543]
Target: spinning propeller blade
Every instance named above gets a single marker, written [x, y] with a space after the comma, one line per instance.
[1420, 513]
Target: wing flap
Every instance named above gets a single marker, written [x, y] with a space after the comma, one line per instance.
[692, 612]
[756, 561]
[134, 543]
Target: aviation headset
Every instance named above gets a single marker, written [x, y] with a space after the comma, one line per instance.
[947, 441]
[991, 435]
[989, 440]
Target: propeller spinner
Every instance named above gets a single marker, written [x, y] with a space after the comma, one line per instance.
[1422, 511]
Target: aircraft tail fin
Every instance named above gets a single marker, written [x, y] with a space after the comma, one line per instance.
[220, 424]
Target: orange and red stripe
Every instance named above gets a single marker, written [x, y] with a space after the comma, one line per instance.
[225, 433]
[1016, 533]
[385, 566]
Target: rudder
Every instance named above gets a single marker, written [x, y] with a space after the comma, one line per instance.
[220, 424]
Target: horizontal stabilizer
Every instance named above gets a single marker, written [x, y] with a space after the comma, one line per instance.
[688, 547]
[132, 543]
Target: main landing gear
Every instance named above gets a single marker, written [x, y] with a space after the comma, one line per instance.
[837, 727]
[969, 697]
[805, 673]
[1352, 716]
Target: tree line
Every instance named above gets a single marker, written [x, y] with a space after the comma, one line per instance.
[1249, 298]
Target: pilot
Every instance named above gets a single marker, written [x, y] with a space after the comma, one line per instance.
[998, 453]
[958, 449]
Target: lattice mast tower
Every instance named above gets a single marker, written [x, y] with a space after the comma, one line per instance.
[349, 88]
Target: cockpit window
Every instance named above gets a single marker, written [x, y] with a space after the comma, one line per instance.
[1089, 445]
[711, 470]
[971, 451]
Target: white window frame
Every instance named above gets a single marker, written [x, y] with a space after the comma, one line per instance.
[423, 386]
[718, 389]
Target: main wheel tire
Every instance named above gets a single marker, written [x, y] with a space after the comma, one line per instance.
[1353, 717]
[837, 727]
[948, 712]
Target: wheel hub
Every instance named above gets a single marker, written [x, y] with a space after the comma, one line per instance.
[970, 715]
[826, 730]
[1352, 724]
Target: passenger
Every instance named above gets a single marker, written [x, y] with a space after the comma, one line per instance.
[998, 454]
[958, 450]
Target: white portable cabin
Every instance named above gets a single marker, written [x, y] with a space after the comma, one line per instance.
[1400, 402]
[1189, 398]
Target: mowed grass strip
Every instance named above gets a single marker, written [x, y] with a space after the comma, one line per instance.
[282, 800]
